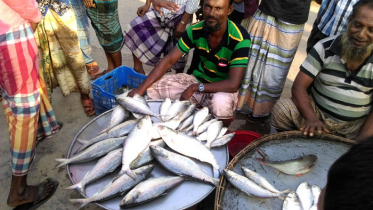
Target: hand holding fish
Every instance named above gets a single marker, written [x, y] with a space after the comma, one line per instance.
[135, 91]
[312, 125]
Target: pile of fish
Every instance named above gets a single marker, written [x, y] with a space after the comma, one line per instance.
[253, 184]
[304, 198]
[133, 144]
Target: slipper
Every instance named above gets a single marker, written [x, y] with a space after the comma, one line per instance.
[93, 70]
[250, 118]
[38, 201]
[88, 106]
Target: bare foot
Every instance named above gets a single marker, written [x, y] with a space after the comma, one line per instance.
[27, 194]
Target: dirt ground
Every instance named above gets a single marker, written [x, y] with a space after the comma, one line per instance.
[69, 111]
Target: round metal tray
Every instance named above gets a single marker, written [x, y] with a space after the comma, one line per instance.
[183, 196]
[278, 147]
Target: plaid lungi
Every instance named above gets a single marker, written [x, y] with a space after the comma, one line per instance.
[24, 109]
[222, 105]
[148, 37]
[105, 20]
[286, 116]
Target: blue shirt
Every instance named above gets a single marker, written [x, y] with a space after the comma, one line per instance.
[333, 16]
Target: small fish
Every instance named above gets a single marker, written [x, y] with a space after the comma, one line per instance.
[291, 202]
[188, 112]
[247, 186]
[163, 109]
[143, 101]
[188, 128]
[137, 140]
[118, 131]
[199, 117]
[304, 194]
[202, 136]
[213, 132]
[118, 115]
[222, 140]
[222, 132]
[120, 185]
[189, 146]
[261, 181]
[176, 108]
[104, 166]
[204, 126]
[297, 167]
[149, 190]
[145, 156]
[316, 190]
[135, 106]
[181, 165]
[95, 151]
[187, 122]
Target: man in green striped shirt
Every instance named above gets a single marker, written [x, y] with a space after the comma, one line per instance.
[222, 47]
[333, 90]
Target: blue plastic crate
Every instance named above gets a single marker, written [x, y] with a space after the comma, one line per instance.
[104, 87]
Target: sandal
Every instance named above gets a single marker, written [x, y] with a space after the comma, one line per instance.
[93, 70]
[88, 106]
[41, 192]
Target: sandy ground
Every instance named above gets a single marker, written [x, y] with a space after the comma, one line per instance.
[69, 111]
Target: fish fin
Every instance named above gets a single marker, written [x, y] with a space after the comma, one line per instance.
[137, 116]
[81, 141]
[261, 161]
[63, 161]
[281, 197]
[75, 186]
[103, 131]
[208, 145]
[285, 191]
[130, 173]
[216, 173]
[298, 175]
[82, 202]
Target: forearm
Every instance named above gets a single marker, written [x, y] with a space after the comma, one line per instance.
[226, 86]
[367, 129]
[186, 17]
[302, 101]
[148, 2]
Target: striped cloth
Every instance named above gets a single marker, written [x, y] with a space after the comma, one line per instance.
[333, 16]
[221, 105]
[274, 44]
[148, 37]
[83, 29]
[105, 20]
[28, 112]
[342, 94]
[214, 65]
[286, 116]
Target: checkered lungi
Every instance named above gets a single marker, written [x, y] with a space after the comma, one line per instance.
[148, 37]
[222, 105]
[105, 20]
[25, 102]
[286, 116]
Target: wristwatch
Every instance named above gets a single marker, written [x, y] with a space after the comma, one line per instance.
[201, 87]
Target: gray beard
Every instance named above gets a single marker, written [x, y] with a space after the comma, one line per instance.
[353, 54]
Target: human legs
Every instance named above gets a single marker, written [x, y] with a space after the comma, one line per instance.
[137, 65]
[114, 60]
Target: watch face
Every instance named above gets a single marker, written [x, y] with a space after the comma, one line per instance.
[201, 87]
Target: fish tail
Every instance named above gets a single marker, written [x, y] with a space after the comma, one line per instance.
[82, 202]
[75, 186]
[216, 173]
[121, 172]
[63, 161]
[281, 197]
[130, 173]
[215, 182]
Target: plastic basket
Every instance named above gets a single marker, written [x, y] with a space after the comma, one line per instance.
[241, 140]
[104, 87]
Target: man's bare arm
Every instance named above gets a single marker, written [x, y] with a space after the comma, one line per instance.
[367, 129]
[303, 103]
[159, 70]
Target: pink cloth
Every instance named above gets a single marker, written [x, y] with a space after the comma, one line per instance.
[14, 13]
[221, 105]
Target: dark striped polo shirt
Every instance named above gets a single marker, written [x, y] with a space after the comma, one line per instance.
[214, 64]
[342, 94]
